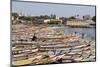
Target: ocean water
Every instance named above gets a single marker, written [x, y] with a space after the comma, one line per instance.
[89, 32]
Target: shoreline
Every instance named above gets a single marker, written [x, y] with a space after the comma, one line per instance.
[53, 25]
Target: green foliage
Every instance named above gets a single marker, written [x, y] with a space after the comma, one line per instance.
[15, 15]
[44, 17]
[25, 18]
[30, 18]
[53, 16]
[72, 17]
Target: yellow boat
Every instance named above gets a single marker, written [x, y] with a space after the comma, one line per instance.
[22, 62]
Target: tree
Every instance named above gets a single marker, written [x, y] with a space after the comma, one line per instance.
[86, 17]
[94, 18]
[72, 17]
[22, 17]
[29, 18]
[44, 17]
[15, 15]
[53, 16]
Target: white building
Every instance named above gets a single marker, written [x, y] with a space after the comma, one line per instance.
[46, 20]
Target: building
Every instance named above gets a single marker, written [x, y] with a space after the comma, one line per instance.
[46, 20]
[77, 23]
[86, 17]
[38, 21]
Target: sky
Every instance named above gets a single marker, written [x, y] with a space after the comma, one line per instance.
[36, 9]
